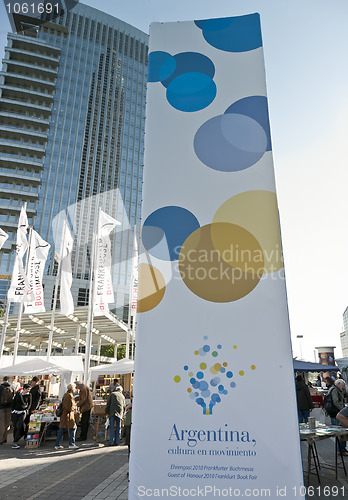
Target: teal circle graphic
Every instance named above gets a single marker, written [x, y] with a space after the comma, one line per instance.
[191, 92]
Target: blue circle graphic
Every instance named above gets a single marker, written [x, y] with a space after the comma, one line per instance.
[161, 66]
[190, 62]
[233, 34]
[191, 92]
[255, 107]
[165, 230]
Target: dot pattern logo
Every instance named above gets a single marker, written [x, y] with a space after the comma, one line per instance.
[212, 379]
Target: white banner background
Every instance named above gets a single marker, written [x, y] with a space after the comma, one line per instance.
[38, 253]
[174, 445]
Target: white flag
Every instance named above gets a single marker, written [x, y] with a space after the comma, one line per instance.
[66, 298]
[134, 279]
[103, 289]
[18, 291]
[38, 253]
[3, 237]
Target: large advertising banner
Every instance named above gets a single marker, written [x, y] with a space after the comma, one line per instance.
[214, 409]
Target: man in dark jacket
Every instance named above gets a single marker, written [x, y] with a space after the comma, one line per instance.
[85, 403]
[115, 407]
[6, 398]
[35, 394]
[304, 400]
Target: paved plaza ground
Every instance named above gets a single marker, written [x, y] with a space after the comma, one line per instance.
[96, 471]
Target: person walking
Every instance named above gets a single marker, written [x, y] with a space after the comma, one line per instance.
[304, 400]
[67, 419]
[85, 403]
[115, 407]
[20, 409]
[6, 398]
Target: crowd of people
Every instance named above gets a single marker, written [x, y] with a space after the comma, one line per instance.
[334, 403]
[18, 403]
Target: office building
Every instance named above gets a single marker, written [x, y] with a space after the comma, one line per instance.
[72, 112]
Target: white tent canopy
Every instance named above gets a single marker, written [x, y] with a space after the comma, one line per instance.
[71, 363]
[33, 367]
[38, 367]
[120, 367]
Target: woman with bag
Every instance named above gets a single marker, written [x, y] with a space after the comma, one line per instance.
[67, 419]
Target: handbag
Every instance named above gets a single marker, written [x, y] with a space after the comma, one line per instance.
[59, 410]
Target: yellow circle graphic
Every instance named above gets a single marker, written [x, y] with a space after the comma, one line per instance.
[217, 262]
[253, 367]
[151, 287]
[203, 366]
[241, 373]
[177, 379]
[257, 212]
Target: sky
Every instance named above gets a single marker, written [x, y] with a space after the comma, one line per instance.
[305, 48]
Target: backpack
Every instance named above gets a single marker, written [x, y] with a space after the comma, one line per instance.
[6, 395]
[329, 406]
[59, 410]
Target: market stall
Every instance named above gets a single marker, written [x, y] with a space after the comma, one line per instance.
[101, 377]
[40, 367]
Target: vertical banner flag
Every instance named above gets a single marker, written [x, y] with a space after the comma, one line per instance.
[134, 280]
[227, 422]
[103, 289]
[3, 237]
[66, 298]
[38, 253]
[20, 283]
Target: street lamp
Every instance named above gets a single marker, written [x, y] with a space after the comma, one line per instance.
[299, 337]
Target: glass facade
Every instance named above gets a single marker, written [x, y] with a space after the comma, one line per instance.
[76, 141]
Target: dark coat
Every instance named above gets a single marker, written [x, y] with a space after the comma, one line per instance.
[21, 402]
[115, 405]
[85, 400]
[36, 398]
[3, 405]
[67, 418]
[304, 399]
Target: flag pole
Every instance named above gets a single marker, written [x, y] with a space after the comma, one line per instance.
[4, 327]
[55, 296]
[4, 235]
[20, 312]
[131, 327]
[90, 306]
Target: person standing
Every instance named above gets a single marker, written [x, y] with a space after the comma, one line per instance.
[304, 400]
[85, 403]
[15, 384]
[6, 398]
[20, 409]
[67, 419]
[337, 397]
[113, 385]
[35, 401]
[35, 394]
[115, 407]
[128, 425]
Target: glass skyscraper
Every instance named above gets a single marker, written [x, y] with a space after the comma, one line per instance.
[72, 112]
